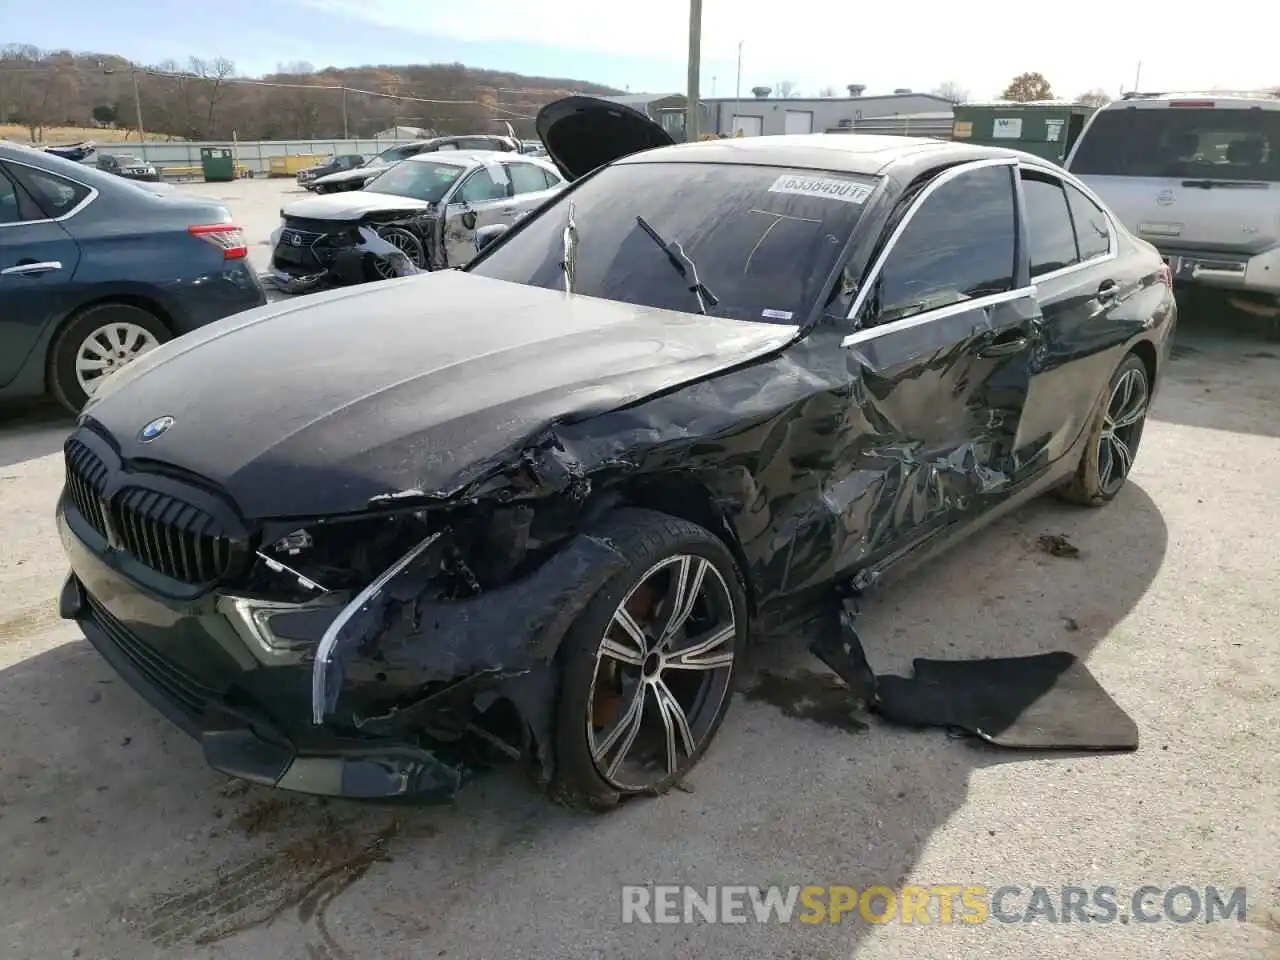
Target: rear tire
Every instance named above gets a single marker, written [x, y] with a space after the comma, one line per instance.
[1114, 437]
[599, 759]
[110, 334]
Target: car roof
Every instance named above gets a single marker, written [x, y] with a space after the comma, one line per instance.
[466, 158]
[856, 153]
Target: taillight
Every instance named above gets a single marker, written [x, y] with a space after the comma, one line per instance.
[228, 237]
[1167, 272]
[1191, 103]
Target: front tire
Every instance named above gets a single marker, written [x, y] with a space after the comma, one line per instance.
[96, 342]
[1114, 437]
[647, 668]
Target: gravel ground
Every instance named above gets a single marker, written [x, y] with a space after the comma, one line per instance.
[119, 843]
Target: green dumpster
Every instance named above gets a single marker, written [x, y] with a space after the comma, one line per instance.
[218, 163]
[1046, 129]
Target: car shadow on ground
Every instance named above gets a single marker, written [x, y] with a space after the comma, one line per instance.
[29, 431]
[107, 806]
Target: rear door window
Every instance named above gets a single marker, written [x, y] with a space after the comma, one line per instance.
[1050, 236]
[1093, 231]
[1185, 143]
[481, 187]
[10, 211]
[56, 196]
[526, 178]
[959, 245]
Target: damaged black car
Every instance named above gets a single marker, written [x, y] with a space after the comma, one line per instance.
[420, 214]
[538, 506]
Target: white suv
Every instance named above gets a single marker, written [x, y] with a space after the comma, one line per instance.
[1197, 175]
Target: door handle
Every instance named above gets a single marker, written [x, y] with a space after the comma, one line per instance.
[1108, 290]
[1004, 344]
[32, 268]
[509, 209]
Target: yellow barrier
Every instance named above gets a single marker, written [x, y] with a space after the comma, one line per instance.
[290, 165]
[197, 171]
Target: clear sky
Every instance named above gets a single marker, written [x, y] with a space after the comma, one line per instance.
[643, 45]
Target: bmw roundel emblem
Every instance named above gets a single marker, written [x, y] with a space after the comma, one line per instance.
[154, 429]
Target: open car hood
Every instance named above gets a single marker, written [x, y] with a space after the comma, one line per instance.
[359, 173]
[583, 133]
[352, 206]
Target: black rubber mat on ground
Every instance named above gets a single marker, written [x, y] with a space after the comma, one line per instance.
[1045, 702]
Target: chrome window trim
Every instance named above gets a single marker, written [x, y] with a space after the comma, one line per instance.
[874, 273]
[1066, 179]
[950, 310]
[89, 197]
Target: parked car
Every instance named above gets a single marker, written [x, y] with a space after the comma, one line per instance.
[542, 500]
[1198, 175]
[128, 166]
[355, 179]
[335, 164]
[95, 271]
[427, 207]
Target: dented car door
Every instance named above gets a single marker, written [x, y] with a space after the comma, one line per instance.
[942, 330]
[482, 198]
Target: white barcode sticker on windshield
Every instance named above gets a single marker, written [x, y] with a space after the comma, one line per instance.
[832, 188]
[777, 314]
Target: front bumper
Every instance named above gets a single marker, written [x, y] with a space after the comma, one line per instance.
[186, 660]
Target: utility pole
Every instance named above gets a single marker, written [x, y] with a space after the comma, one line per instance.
[737, 93]
[137, 106]
[693, 107]
[345, 135]
[1137, 78]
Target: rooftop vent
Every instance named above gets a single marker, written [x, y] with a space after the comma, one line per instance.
[855, 89]
[761, 92]
[901, 90]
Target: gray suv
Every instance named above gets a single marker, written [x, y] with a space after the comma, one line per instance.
[1197, 175]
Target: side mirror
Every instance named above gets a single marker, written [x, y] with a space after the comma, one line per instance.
[469, 218]
[486, 235]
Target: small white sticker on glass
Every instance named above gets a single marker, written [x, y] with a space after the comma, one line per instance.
[832, 188]
[777, 314]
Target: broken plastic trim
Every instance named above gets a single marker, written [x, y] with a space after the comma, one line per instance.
[322, 698]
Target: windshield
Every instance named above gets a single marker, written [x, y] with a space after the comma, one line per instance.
[1181, 142]
[420, 179]
[764, 239]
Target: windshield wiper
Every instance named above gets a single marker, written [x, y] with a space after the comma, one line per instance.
[684, 266]
[570, 249]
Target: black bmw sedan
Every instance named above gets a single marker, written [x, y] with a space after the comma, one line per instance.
[540, 503]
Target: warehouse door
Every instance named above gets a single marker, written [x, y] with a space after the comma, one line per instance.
[799, 121]
[749, 126]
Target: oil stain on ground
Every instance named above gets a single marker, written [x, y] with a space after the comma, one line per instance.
[820, 697]
[309, 854]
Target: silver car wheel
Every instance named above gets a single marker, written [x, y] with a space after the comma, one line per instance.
[406, 243]
[109, 348]
[662, 672]
[1122, 429]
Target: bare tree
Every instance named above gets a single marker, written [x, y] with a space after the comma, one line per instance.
[1097, 97]
[827, 91]
[41, 87]
[214, 72]
[951, 90]
[786, 88]
[1026, 87]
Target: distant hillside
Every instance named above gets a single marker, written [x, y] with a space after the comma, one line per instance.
[207, 100]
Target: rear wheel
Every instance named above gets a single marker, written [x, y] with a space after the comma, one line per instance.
[96, 342]
[1114, 437]
[648, 666]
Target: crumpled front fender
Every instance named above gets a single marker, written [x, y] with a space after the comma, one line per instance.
[506, 631]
